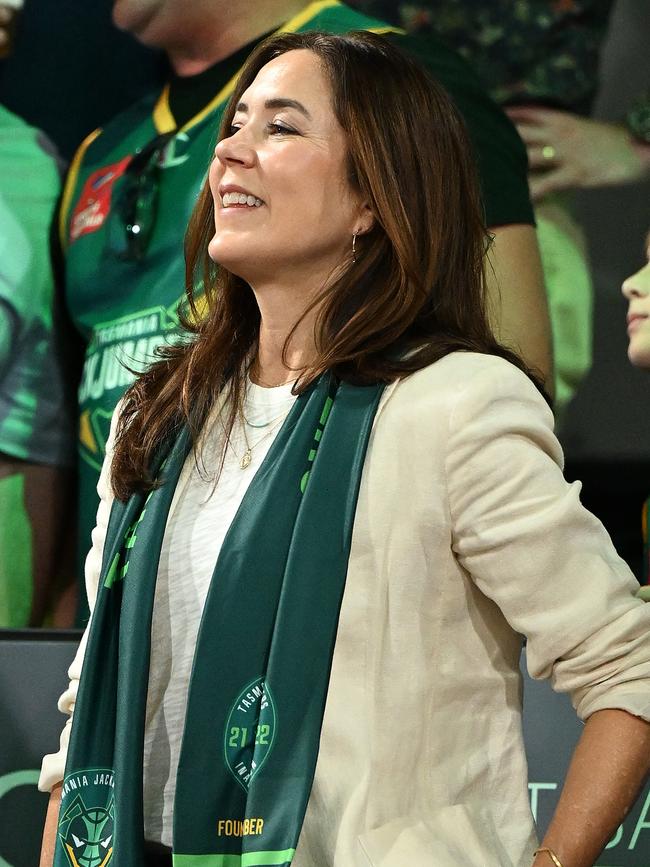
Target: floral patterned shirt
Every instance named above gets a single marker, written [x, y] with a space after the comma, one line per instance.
[525, 51]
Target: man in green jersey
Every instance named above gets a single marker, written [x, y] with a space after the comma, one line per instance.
[132, 186]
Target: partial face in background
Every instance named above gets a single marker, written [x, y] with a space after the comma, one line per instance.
[637, 291]
[9, 13]
[136, 15]
[282, 200]
[164, 23]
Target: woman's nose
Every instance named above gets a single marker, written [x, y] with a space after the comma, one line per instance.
[638, 285]
[235, 149]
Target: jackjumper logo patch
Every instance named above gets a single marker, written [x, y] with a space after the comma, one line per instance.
[85, 826]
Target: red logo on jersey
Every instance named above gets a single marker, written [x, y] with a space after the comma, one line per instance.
[94, 202]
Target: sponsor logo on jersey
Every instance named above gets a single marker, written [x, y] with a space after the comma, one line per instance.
[170, 158]
[94, 202]
[119, 350]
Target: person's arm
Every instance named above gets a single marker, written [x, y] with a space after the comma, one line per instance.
[567, 151]
[608, 768]
[521, 533]
[49, 831]
[517, 298]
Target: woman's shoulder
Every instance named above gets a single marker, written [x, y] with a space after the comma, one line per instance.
[468, 377]
[468, 397]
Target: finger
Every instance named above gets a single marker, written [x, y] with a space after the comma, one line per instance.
[532, 114]
[534, 136]
[543, 158]
[542, 185]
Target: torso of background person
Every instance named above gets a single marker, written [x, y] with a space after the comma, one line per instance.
[531, 51]
[34, 414]
[125, 309]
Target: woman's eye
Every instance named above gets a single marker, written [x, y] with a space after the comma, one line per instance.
[233, 129]
[280, 129]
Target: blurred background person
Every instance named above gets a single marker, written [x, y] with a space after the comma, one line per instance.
[132, 185]
[636, 289]
[35, 432]
[540, 60]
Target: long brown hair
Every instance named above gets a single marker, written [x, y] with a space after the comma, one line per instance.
[415, 293]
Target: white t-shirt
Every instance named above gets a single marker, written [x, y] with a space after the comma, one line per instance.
[190, 548]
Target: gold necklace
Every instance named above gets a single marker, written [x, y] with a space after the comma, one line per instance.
[247, 457]
[265, 424]
[255, 378]
[260, 382]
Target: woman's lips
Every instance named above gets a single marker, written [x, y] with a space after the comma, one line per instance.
[634, 321]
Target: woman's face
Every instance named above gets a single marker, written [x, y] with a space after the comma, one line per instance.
[283, 207]
[637, 291]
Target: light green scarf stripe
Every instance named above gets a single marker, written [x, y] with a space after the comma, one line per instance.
[249, 859]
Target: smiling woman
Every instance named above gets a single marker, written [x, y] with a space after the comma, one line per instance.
[307, 133]
[291, 155]
[329, 515]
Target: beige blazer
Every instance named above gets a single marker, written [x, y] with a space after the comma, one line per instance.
[466, 537]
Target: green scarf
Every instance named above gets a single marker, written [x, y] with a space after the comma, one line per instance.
[262, 661]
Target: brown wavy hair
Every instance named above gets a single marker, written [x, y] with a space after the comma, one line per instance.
[415, 293]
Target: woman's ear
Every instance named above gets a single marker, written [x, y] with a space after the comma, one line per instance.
[365, 220]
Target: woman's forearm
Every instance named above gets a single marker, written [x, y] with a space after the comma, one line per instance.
[49, 831]
[609, 766]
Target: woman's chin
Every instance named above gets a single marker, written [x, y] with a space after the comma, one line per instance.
[639, 353]
[638, 350]
[228, 259]
[224, 254]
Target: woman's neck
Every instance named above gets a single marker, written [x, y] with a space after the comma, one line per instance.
[273, 365]
[278, 361]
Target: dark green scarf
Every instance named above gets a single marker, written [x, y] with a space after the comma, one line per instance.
[262, 661]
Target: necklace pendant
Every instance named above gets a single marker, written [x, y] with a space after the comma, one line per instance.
[246, 459]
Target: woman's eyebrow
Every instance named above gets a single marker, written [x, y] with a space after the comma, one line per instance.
[279, 102]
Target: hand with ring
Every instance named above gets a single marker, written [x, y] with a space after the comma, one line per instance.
[567, 151]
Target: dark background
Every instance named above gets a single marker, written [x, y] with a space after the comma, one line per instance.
[72, 70]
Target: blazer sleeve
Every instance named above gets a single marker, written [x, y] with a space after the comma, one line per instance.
[53, 765]
[520, 531]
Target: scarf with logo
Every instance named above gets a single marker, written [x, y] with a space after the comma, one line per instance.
[262, 660]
